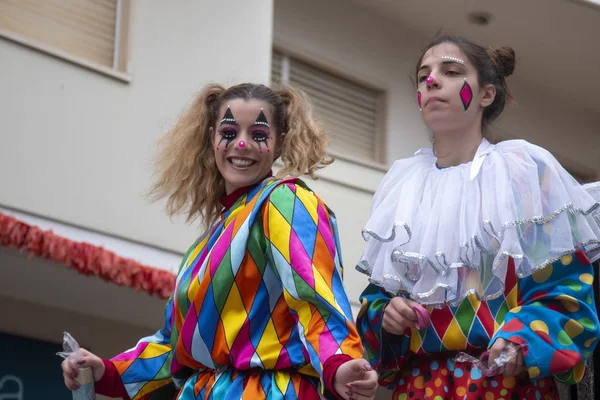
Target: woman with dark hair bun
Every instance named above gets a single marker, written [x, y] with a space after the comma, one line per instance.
[478, 254]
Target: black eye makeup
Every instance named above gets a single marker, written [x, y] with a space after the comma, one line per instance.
[260, 135]
[229, 130]
[228, 134]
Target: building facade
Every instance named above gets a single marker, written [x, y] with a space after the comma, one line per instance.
[86, 89]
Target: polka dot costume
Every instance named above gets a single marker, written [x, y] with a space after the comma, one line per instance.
[441, 378]
[551, 313]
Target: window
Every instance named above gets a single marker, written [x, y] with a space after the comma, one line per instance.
[351, 112]
[92, 33]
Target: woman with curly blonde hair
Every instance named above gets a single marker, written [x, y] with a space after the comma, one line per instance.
[259, 310]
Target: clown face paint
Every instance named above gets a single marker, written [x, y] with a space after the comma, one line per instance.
[228, 117]
[240, 140]
[261, 120]
[227, 135]
[448, 86]
[466, 95]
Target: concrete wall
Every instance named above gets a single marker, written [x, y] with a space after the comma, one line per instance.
[359, 43]
[76, 145]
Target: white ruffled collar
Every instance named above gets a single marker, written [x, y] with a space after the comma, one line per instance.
[475, 165]
[441, 234]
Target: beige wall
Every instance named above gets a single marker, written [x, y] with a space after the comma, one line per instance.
[568, 130]
[365, 45]
[357, 43]
[76, 145]
[370, 49]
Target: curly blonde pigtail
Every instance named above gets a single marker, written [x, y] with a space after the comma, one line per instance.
[186, 172]
[303, 148]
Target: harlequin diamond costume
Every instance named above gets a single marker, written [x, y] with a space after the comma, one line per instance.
[259, 309]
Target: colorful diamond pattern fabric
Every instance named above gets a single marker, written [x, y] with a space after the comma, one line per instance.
[258, 308]
[550, 312]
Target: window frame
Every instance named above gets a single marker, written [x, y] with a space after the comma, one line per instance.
[120, 68]
[379, 133]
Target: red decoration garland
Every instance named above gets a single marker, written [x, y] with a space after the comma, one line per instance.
[86, 258]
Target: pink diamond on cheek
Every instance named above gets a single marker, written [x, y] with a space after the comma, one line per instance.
[466, 95]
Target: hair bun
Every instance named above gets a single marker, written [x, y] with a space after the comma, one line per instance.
[504, 58]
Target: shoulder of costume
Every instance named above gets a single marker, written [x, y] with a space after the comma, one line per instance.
[276, 183]
[519, 146]
[291, 188]
[271, 190]
[522, 150]
[280, 186]
[421, 159]
[271, 187]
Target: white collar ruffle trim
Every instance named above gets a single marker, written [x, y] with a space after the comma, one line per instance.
[440, 235]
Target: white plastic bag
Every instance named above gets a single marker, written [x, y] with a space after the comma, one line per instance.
[482, 363]
[71, 349]
[72, 352]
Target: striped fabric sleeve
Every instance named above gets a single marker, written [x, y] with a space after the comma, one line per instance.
[144, 369]
[303, 248]
[384, 351]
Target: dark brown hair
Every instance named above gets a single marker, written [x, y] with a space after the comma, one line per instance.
[492, 66]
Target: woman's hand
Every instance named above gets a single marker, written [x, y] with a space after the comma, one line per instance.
[70, 370]
[356, 380]
[399, 314]
[515, 364]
